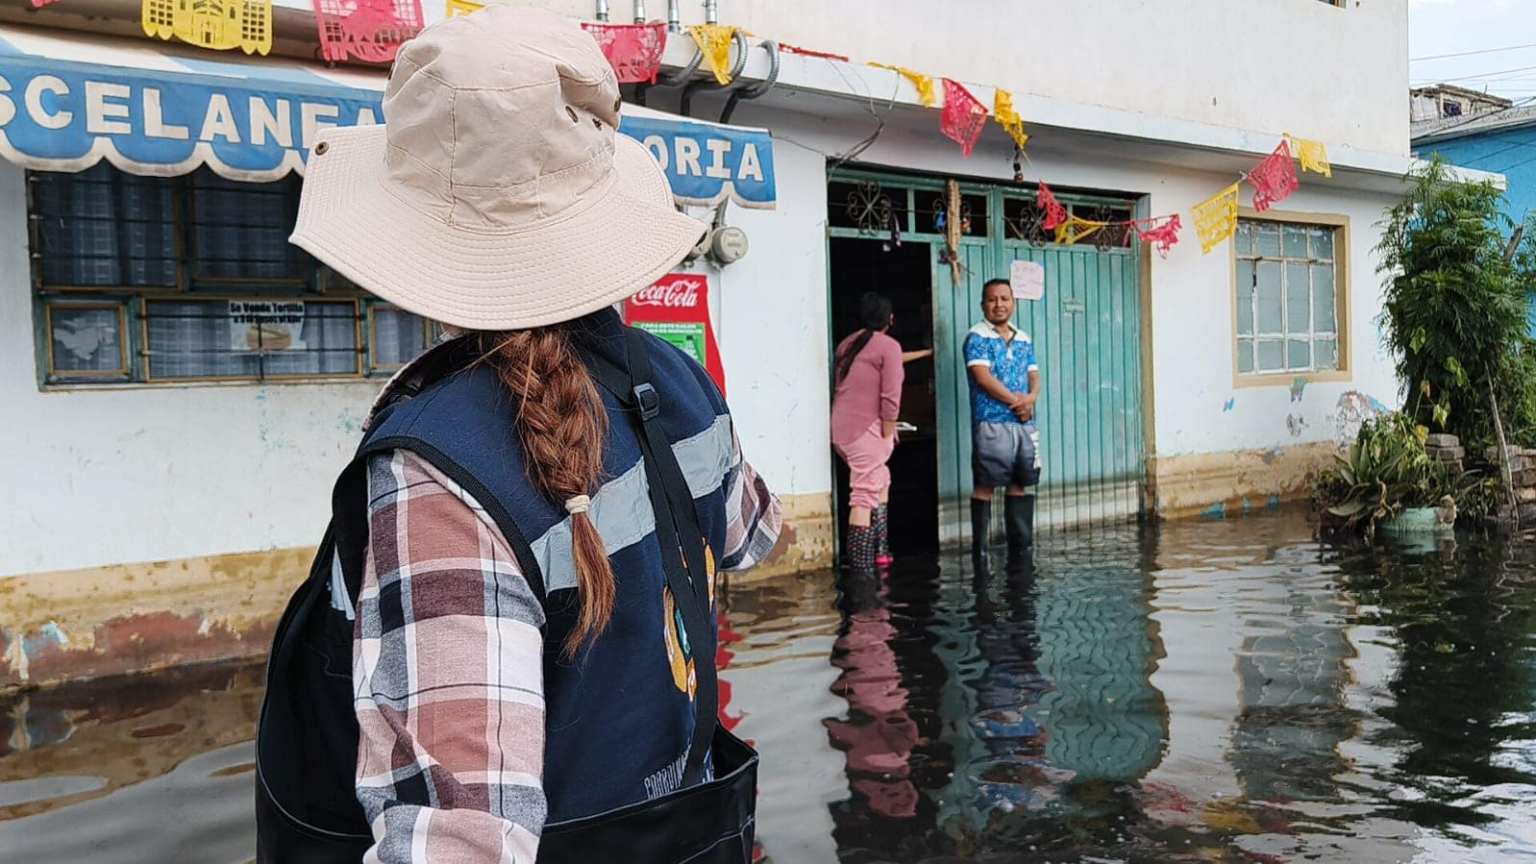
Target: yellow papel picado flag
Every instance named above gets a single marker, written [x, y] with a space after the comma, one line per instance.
[714, 40]
[456, 8]
[1006, 117]
[923, 83]
[217, 24]
[1216, 218]
[1313, 155]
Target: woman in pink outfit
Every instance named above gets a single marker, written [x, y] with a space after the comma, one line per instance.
[865, 404]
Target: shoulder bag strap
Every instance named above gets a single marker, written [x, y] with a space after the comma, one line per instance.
[677, 531]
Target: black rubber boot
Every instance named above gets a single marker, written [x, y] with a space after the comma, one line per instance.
[861, 547]
[1019, 513]
[981, 526]
[880, 520]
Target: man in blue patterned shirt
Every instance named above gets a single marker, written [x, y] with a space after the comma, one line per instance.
[1005, 446]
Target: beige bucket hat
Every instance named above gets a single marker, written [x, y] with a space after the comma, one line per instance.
[497, 195]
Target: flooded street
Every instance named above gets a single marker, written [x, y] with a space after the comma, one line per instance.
[1214, 691]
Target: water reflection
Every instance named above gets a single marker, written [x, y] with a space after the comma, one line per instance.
[1230, 691]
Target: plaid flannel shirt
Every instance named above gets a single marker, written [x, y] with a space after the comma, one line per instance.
[448, 667]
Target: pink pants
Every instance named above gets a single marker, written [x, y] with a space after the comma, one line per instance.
[866, 456]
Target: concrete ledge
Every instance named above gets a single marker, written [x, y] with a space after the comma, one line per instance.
[73, 624]
[1215, 484]
[127, 618]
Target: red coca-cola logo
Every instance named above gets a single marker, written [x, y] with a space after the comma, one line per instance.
[677, 294]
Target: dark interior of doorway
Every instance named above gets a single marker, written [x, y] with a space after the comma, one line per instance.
[904, 274]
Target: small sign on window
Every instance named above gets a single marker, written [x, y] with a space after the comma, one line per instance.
[266, 325]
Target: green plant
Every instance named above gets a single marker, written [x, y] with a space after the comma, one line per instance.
[1385, 471]
[1454, 303]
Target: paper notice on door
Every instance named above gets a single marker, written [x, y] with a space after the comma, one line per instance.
[1027, 279]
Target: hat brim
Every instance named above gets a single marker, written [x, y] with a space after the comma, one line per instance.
[625, 237]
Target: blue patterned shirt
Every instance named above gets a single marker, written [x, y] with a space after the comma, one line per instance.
[1009, 360]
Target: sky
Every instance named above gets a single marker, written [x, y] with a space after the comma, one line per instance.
[1439, 27]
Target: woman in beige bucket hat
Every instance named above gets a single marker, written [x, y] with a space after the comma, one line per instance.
[505, 647]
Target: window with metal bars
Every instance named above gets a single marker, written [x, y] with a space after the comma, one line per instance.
[1289, 297]
[151, 279]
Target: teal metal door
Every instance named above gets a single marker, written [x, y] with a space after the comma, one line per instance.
[1087, 335]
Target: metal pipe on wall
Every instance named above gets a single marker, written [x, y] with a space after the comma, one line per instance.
[602, 10]
[675, 15]
[711, 11]
[639, 11]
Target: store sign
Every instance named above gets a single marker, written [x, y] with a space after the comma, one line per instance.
[59, 115]
[706, 163]
[266, 325]
[676, 309]
[66, 117]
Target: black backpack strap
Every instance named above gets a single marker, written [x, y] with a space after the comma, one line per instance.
[349, 522]
[677, 531]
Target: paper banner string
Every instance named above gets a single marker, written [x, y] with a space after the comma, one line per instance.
[1077, 228]
[367, 30]
[1273, 179]
[1161, 232]
[1216, 218]
[923, 83]
[806, 52]
[714, 40]
[963, 116]
[1313, 156]
[633, 50]
[1055, 214]
[217, 24]
[1008, 118]
[455, 8]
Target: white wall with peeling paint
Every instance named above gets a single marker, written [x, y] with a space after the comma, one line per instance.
[118, 475]
[109, 476]
[154, 473]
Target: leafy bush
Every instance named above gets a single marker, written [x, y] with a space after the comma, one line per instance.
[1385, 471]
[1454, 305]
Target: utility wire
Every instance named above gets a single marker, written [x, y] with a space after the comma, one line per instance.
[1469, 53]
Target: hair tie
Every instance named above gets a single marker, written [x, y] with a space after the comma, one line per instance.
[578, 504]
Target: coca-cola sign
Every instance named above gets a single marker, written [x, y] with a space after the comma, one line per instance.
[676, 310]
[671, 294]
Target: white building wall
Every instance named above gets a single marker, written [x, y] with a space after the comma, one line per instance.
[107, 476]
[1338, 74]
[772, 309]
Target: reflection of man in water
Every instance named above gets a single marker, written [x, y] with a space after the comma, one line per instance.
[1005, 383]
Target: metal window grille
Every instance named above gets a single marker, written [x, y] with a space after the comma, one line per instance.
[140, 279]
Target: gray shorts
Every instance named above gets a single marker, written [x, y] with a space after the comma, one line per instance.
[1005, 454]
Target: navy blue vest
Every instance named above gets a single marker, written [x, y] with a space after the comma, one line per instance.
[620, 715]
[618, 724]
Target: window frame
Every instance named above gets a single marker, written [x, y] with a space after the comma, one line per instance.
[124, 370]
[371, 305]
[316, 284]
[1341, 299]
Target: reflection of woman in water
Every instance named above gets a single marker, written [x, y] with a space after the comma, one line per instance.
[879, 735]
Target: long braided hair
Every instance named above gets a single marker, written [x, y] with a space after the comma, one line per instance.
[563, 424]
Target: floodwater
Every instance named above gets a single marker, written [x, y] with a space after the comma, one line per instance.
[1215, 692]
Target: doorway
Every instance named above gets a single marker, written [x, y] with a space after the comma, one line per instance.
[886, 229]
[903, 273]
